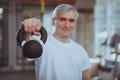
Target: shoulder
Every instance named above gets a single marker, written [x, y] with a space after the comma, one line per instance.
[50, 42]
[79, 48]
[78, 45]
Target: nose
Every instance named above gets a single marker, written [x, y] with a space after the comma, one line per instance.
[67, 23]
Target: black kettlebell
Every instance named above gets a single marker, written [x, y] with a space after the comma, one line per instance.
[31, 48]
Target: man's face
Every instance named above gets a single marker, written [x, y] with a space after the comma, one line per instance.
[65, 24]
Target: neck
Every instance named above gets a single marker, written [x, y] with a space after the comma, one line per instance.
[62, 39]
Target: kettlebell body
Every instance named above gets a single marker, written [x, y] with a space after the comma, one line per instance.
[31, 48]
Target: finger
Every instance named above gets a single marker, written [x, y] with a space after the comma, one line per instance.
[26, 27]
[37, 33]
[25, 24]
[38, 27]
[30, 26]
[33, 27]
[38, 24]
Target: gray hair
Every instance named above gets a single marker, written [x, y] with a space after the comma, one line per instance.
[62, 8]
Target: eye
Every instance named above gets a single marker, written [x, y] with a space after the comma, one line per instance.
[62, 19]
[72, 20]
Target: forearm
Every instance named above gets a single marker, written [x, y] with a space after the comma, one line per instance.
[86, 75]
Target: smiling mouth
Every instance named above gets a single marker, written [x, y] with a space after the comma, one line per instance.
[66, 29]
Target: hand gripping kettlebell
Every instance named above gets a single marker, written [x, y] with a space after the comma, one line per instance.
[31, 48]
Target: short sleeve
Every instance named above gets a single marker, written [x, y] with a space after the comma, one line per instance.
[85, 62]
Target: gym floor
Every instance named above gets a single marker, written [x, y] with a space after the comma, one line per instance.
[18, 75]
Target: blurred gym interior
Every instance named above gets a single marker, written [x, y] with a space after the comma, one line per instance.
[98, 31]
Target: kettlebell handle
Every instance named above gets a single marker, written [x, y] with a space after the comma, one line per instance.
[21, 35]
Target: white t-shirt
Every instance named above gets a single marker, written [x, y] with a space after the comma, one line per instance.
[61, 61]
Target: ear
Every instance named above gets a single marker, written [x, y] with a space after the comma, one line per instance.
[53, 21]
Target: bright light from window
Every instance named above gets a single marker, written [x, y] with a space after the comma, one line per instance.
[1, 10]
